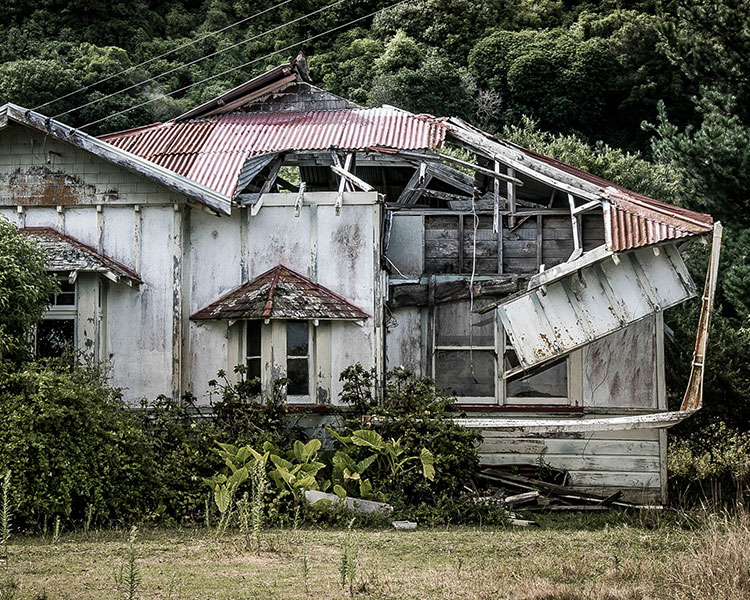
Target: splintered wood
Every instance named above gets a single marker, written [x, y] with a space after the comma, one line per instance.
[525, 494]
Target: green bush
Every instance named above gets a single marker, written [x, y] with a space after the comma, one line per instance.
[184, 437]
[72, 446]
[413, 411]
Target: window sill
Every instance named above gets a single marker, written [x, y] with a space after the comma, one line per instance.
[521, 408]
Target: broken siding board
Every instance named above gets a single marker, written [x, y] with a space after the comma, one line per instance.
[625, 302]
[645, 435]
[613, 465]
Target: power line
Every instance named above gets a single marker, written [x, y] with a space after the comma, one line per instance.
[197, 60]
[187, 87]
[167, 53]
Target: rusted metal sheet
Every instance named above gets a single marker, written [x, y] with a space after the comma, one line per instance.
[280, 293]
[594, 301]
[631, 221]
[66, 254]
[212, 151]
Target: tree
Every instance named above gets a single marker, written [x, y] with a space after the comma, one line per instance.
[25, 289]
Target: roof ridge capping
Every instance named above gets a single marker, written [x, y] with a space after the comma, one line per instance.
[106, 151]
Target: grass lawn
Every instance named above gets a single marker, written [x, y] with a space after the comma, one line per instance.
[603, 557]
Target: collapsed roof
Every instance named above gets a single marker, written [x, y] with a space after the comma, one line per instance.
[245, 134]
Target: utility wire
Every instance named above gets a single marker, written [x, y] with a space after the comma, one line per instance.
[197, 60]
[167, 53]
[290, 46]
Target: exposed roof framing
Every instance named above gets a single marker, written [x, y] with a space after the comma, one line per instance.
[281, 294]
[67, 254]
[11, 113]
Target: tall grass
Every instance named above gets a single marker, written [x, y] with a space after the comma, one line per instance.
[718, 563]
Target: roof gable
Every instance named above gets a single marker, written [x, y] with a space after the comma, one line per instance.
[280, 294]
[11, 113]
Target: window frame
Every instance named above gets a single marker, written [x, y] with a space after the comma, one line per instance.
[501, 399]
[61, 312]
[488, 400]
[571, 362]
[274, 357]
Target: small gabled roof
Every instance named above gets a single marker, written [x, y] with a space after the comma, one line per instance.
[136, 164]
[280, 294]
[67, 254]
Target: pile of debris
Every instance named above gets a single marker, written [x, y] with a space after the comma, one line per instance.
[519, 492]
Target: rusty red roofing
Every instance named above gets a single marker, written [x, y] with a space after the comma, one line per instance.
[280, 294]
[211, 151]
[65, 253]
[633, 220]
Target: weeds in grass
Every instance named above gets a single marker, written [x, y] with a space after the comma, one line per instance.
[56, 530]
[258, 481]
[305, 569]
[128, 577]
[207, 515]
[89, 519]
[6, 516]
[349, 555]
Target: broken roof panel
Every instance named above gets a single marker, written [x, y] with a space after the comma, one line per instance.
[280, 294]
[67, 254]
[212, 151]
[631, 220]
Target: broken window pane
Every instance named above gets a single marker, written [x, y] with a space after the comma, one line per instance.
[55, 337]
[545, 382]
[465, 374]
[253, 338]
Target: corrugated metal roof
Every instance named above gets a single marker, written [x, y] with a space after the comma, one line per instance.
[212, 151]
[65, 254]
[280, 294]
[632, 221]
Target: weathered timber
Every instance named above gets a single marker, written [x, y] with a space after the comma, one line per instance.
[521, 498]
[416, 294]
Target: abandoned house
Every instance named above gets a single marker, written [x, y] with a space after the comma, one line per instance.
[285, 228]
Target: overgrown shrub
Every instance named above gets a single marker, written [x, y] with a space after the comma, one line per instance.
[413, 410]
[184, 438]
[72, 446]
[710, 467]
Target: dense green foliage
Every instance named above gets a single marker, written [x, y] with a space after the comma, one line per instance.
[25, 289]
[72, 446]
[413, 411]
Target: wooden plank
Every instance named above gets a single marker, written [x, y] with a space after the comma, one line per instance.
[577, 462]
[441, 234]
[569, 446]
[447, 249]
[615, 479]
[645, 435]
[525, 249]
